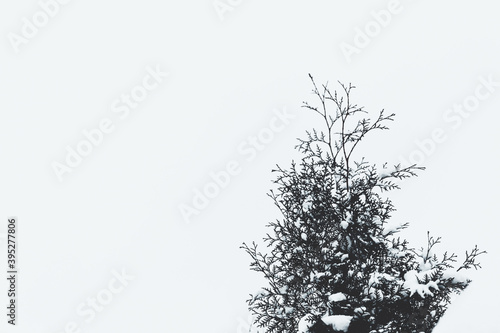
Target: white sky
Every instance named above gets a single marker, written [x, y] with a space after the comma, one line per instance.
[119, 209]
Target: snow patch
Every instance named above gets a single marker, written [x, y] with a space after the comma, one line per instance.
[411, 283]
[307, 204]
[392, 227]
[338, 322]
[337, 297]
[455, 276]
[305, 323]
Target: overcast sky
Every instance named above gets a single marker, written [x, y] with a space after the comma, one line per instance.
[117, 116]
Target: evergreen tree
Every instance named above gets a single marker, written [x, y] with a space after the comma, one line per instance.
[334, 263]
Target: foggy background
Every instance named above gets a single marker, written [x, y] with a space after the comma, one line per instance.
[233, 66]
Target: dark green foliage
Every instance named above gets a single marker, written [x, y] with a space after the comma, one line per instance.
[333, 238]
